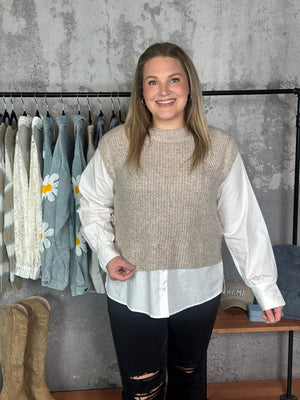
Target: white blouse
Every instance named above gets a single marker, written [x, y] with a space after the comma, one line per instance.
[162, 293]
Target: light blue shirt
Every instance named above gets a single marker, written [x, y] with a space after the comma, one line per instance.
[58, 236]
[79, 257]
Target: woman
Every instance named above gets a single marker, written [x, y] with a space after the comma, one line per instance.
[157, 198]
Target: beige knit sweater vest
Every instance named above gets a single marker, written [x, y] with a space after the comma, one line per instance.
[164, 215]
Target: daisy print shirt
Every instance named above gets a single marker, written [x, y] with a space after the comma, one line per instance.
[50, 182]
[57, 237]
[79, 264]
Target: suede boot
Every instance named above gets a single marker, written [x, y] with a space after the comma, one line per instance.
[13, 338]
[38, 310]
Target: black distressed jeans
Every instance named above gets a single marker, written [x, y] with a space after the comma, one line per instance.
[151, 351]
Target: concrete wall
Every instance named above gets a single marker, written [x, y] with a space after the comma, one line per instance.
[93, 45]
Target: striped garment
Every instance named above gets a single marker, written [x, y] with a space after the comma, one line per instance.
[8, 232]
[4, 263]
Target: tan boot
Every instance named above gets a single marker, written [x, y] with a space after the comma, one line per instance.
[38, 310]
[13, 337]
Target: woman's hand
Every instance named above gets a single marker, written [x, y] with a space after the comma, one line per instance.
[119, 269]
[272, 316]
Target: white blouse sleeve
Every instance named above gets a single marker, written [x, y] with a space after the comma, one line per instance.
[96, 207]
[247, 237]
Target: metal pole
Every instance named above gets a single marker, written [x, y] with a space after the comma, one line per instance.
[128, 94]
[288, 395]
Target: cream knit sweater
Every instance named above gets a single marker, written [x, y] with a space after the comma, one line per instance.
[164, 215]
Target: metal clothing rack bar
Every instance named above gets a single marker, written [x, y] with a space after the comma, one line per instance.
[250, 92]
[65, 94]
[296, 91]
[128, 94]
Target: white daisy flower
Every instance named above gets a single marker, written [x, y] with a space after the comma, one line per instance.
[80, 244]
[46, 231]
[75, 182]
[49, 188]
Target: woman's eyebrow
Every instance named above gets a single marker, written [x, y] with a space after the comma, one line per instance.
[170, 76]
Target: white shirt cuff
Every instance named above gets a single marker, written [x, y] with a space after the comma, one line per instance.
[106, 254]
[268, 295]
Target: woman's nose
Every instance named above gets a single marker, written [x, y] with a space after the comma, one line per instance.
[163, 89]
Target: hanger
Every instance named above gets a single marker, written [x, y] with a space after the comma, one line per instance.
[47, 107]
[78, 106]
[90, 114]
[5, 115]
[120, 113]
[112, 107]
[12, 114]
[62, 106]
[114, 119]
[37, 114]
[100, 105]
[24, 110]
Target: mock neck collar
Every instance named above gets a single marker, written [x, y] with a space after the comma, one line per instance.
[167, 135]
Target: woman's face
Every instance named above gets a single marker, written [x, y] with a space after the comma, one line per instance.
[165, 90]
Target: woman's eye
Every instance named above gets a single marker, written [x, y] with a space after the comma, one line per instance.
[151, 83]
[175, 80]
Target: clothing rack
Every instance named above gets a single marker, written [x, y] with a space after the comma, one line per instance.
[128, 94]
[295, 91]
[246, 92]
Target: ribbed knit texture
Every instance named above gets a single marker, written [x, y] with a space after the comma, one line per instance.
[20, 196]
[164, 215]
[4, 262]
[8, 232]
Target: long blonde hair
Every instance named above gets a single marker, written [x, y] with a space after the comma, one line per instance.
[139, 118]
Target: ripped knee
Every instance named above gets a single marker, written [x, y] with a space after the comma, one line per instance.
[148, 386]
[184, 372]
[145, 376]
[188, 370]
